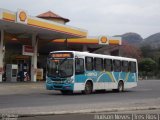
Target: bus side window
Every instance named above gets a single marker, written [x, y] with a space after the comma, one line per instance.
[98, 64]
[133, 67]
[117, 65]
[108, 64]
[79, 66]
[89, 63]
[125, 66]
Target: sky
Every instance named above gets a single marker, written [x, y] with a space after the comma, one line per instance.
[98, 17]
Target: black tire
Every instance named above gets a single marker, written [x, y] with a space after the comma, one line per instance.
[120, 87]
[88, 88]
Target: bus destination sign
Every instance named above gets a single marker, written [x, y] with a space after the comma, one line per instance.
[62, 55]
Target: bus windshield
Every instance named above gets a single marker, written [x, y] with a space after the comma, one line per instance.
[60, 67]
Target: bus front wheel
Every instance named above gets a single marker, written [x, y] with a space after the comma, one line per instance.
[88, 88]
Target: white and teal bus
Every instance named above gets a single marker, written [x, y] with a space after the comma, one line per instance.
[73, 71]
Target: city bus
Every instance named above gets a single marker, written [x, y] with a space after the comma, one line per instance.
[73, 71]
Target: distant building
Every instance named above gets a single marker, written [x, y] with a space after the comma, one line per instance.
[53, 17]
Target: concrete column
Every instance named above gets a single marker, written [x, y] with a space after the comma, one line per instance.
[1, 54]
[34, 58]
[120, 53]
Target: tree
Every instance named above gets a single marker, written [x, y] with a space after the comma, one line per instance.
[146, 66]
[146, 50]
[129, 50]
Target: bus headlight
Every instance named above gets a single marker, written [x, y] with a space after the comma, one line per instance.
[69, 80]
[48, 80]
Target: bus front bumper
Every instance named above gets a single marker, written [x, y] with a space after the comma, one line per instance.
[55, 86]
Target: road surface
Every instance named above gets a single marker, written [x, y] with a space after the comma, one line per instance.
[34, 99]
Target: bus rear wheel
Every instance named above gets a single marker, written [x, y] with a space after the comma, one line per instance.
[120, 86]
[88, 88]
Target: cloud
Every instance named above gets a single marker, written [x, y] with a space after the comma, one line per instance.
[99, 17]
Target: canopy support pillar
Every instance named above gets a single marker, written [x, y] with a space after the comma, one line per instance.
[34, 58]
[1, 54]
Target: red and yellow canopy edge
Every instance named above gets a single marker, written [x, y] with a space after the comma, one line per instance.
[77, 41]
[46, 25]
[86, 41]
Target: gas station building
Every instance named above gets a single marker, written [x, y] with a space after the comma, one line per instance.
[25, 41]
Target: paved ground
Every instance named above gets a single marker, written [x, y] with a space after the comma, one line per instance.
[32, 98]
[140, 115]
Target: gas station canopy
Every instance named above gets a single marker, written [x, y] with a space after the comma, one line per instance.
[21, 23]
[19, 26]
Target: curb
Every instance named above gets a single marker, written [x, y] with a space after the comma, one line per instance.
[90, 111]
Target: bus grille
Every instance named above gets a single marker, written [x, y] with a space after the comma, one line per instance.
[57, 86]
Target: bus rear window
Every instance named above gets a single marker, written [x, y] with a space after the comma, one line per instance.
[133, 67]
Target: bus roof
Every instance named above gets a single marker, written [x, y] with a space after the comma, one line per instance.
[83, 54]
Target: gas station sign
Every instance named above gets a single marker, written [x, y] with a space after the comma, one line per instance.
[21, 17]
[103, 40]
[27, 50]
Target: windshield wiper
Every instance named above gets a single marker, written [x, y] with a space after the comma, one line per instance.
[63, 61]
